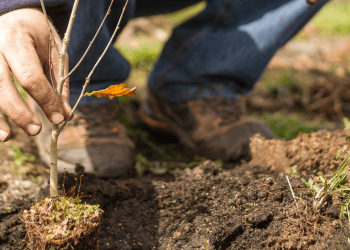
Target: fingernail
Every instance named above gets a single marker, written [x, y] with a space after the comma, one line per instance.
[57, 118]
[33, 129]
[3, 135]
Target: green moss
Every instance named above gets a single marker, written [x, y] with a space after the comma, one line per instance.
[68, 208]
[62, 222]
[61, 218]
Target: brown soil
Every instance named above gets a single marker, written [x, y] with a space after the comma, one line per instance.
[308, 153]
[246, 207]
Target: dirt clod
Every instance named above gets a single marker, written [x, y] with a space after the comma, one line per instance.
[308, 153]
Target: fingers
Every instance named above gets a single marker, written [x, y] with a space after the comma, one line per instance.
[13, 105]
[5, 131]
[27, 68]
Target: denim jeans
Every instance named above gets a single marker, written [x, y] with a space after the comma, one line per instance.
[219, 53]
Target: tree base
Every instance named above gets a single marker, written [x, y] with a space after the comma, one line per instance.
[62, 223]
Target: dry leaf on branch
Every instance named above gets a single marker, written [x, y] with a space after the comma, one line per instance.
[114, 91]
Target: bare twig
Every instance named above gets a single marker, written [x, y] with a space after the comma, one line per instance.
[92, 41]
[109, 43]
[55, 128]
[63, 53]
[87, 81]
[291, 189]
[48, 24]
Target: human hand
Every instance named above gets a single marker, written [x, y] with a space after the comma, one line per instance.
[24, 52]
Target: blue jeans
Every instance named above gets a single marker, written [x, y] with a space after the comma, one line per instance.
[219, 53]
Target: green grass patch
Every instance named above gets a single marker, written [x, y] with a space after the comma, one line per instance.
[288, 127]
[278, 78]
[21, 157]
[143, 56]
[185, 14]
[332, 20]
[335, 184]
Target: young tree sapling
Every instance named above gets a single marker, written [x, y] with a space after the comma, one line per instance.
[61, 220]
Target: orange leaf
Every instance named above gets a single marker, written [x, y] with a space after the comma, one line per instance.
[114, 91]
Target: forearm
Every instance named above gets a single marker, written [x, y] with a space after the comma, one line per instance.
[58, 10]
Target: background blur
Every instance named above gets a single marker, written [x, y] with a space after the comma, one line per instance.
[305, 87]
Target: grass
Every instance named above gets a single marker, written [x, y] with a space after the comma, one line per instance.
[338, 179]
[279, 78]
[336, 184]
[21, 157]
[289, 126]
[171, 166]
[332, 20]
[25, 163]
[141, 57]
[341, 248]
[183, 15]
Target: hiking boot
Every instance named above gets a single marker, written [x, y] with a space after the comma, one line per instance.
[211, 127]
[92, 139]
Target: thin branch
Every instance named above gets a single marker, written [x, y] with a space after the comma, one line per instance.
[93, 69]
[291, 189]
[75, 106]
[92, 41]
[109, 43]
[53, 161]
[55, 128]
[63, 53]
[48, 24]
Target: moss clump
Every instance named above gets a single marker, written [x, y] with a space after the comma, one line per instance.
[62, 223]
